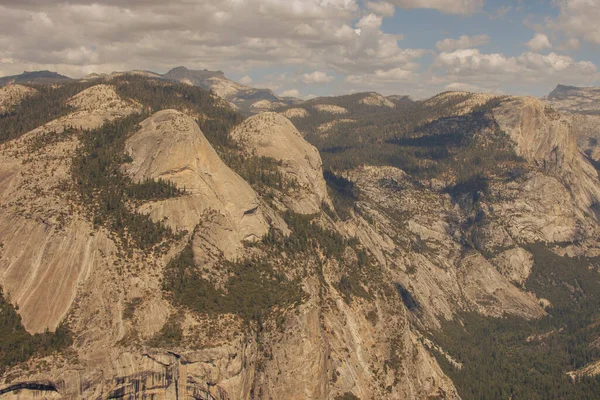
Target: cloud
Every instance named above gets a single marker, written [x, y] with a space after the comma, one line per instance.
[578, 19]
[317, 78]
[500, 12]
[345, 39]
[465, 7]
[234, 35]
[539, 43]
[246, 80]
[570, 44]
[474, 67]
[379, 77]
[464, 42]
[382, 8]
[291, 93]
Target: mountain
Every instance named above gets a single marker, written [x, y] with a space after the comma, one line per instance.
[156, 243]
[583, 107]
[38, 77]
[585, 100]
[245, 98]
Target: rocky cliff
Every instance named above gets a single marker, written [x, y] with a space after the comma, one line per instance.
[114, 302]
[274, 136]
[251, 293]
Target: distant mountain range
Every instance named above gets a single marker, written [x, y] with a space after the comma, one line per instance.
[246, 99]
[585, 100]
[34, 77]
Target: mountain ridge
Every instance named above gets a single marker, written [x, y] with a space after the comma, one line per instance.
[190, 250]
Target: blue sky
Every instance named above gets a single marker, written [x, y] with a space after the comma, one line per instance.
[316, 47]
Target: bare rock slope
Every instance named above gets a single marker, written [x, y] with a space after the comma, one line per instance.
[47, 248]
[274, 136]
[170, 146]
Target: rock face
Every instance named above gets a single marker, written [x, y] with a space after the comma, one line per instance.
[245, 98]
[47, 247]
[295, 113]
[330, 109]
[575, 99]
[541, 135]
[430, 256]
[274, 136]
[457, 103]
[546, 138]
[375, 99]
[582, 107]
[170, 146]
[424, 252]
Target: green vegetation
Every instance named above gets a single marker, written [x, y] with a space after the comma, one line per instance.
[254, 289]
[308, 235]
[343, 193]
[347, 396]
[256, 286]
[106, 191]
[131, 306]
[417, 137]
[49, 103]
[151, 189]
[214, 117]
[171, 334]
[262, 173]
[515, 358]
[17, 345]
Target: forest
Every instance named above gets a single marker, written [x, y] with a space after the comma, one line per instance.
[417, 137]
[515, 358]
[47, 104]
[245, 292]
[17, 345]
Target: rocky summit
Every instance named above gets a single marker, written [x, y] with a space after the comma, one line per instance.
[182, 236]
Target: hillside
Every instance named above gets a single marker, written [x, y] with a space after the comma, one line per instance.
[41, 77]
[157, 243]
[583, 100]
[247, 99]
[582, 104]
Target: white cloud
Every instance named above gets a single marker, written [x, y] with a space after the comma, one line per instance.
[579, 19]
[246, 80]
[463, 42]
[465, 7]
[539, 42]
[291, 93]
[474, 67]
[317, 78]
[382, 8]
[571, 44]
[379, 77]
[233, 35]
[345, 38]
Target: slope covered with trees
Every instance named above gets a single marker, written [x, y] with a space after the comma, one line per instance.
[521, 359]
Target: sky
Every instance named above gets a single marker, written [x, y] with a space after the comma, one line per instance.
[309, 48]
